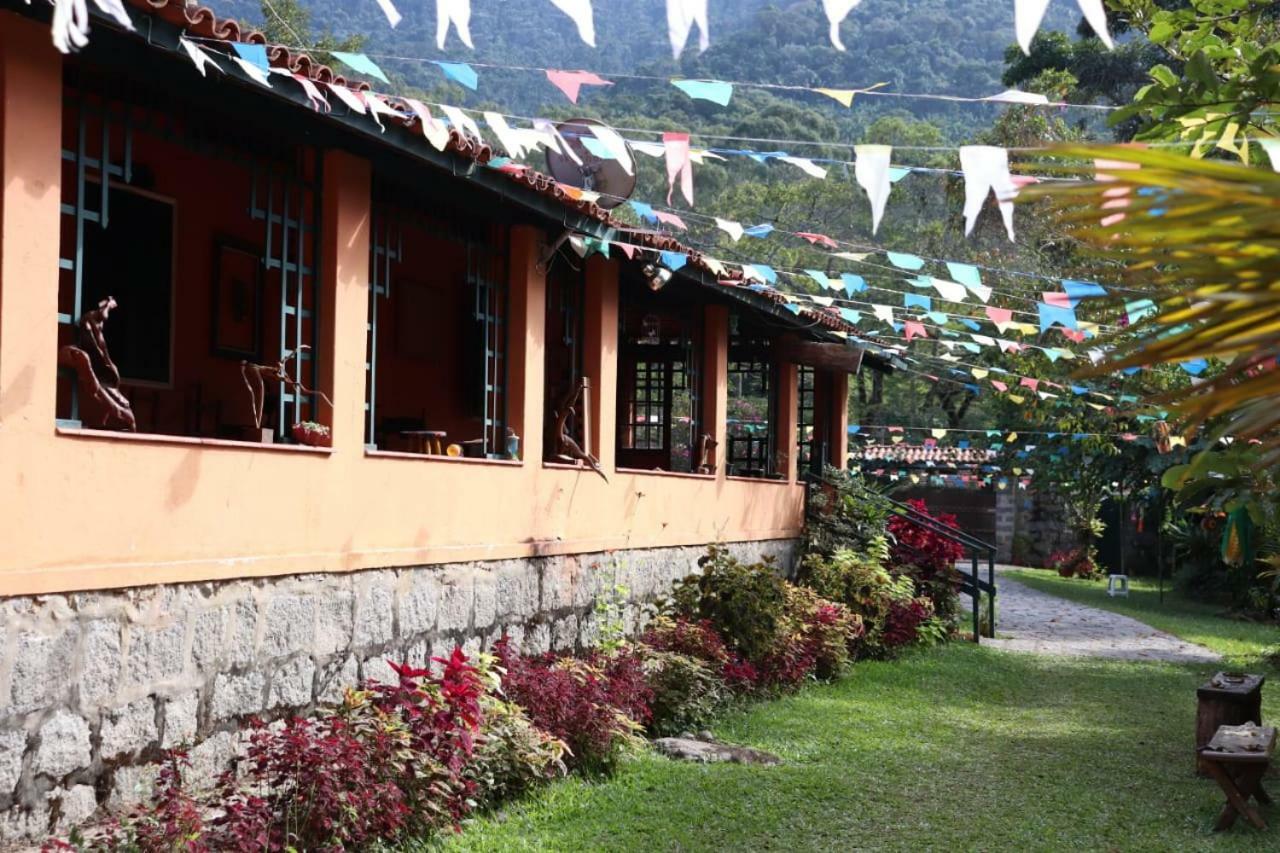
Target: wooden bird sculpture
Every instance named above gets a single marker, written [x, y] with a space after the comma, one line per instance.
[570, 450]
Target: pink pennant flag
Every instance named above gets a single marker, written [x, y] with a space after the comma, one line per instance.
[627, 249]
[1028, 382]
[1076, 336]
[670, 219]
[1000, 386]
[914, 330]
[1008, 346]
[1021, 181]
[679, 165]
[571, 82]
[1058, 300]
[1002, 317]
[895, 429]
[818, 239]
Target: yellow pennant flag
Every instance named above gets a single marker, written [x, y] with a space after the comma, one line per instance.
[938, 433]
[1017, 472]
[1013, 436]
[844, 96]
[1177, 441]
[980, 373]
[897, 439]
[1014, 398]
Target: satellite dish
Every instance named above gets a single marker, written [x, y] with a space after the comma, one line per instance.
[614, 177]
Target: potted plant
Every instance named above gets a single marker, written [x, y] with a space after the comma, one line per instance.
[312, 434]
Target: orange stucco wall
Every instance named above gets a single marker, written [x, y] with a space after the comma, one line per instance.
[86, 510]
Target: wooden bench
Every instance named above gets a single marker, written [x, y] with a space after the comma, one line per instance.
[1236, 758]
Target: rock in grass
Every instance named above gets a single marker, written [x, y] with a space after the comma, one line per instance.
[710, 750]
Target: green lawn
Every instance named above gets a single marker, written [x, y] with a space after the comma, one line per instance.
[1242, 643]
[959, 747]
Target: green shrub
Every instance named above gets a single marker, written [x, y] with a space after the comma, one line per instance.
[687, 693]
[826, 630]
[745, 602]
[844, 512]
[861, 583]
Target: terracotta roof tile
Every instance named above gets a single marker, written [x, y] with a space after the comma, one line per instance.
[919, 453]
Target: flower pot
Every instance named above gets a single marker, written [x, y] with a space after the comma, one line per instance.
[312, 434]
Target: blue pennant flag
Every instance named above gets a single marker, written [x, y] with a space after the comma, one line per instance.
[793, 308]
[1079, 390]
[253, 53]
[938, 317]
[965, 274]
[714, 91]
[758, 231]
[853, 283]
[971, 347]
[897, 173]
[854, 429]
[904, 261]
[973, 325]
[460, 72]
[971, 388]
[1051, 315]
[644, 211]
[1079, 290]
[910, 300]
[770, 275]
[765, 156]
[361, 64]
[1195, 367]
[851, 316]
[963, 444]
[674, 260]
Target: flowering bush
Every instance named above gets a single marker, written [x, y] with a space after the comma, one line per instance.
[392, 761]
[573, 700]
[903, 622]
[918, 546]
[826, 631]
[1074, 563]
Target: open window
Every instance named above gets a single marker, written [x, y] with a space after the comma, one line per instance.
[187, 271]
[660, 353]
[437, 332]
[753, 399]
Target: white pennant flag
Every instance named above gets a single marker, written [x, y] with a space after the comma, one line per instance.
[393, 15]
[548, 128]
[1027, 15]
[199, 56]
[580, 12]
[435, 131]
[319, 102]
[986, 169]
[461, 121]
[807, 166]
[510, 140]
[733, 229]
[653, 149]
[1272, 147]
[981, 291]
[70, 28]
[824, 301]
[871, 168]
[837, 11]
[348, 97]
[949, 290]
[681, 16]
[378, 107]
[616, 145]
[883, 312]
[457, 13]
[254, 72]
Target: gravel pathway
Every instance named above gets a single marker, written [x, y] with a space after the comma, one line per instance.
[1031, 621]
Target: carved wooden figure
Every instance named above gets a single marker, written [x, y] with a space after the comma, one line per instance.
[97, 375]
[706, 451]
[570, 450]
[257, 375]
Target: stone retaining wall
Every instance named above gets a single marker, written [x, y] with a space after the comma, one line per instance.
[95, 686]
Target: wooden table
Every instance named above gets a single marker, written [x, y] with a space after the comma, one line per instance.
[1236, 758]
[426, 441]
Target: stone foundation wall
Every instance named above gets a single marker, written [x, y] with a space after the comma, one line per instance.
[95, 686]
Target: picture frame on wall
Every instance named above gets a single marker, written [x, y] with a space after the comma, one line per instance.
[237, 301]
